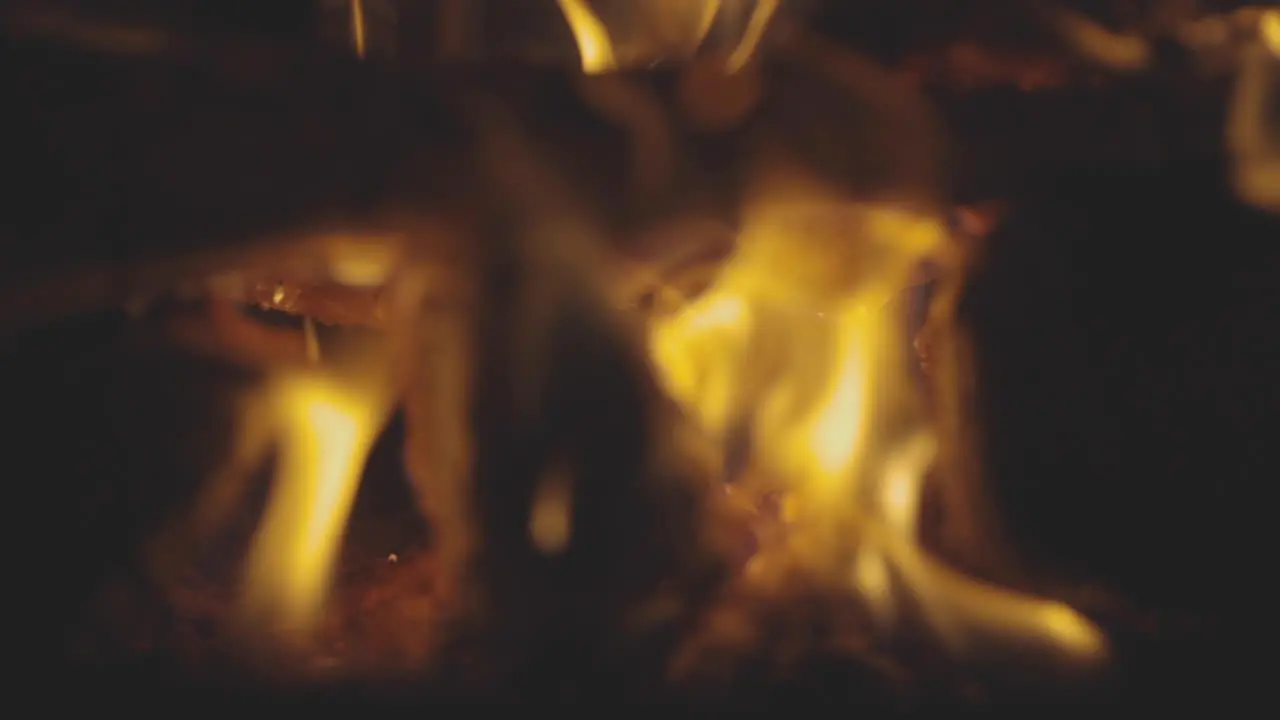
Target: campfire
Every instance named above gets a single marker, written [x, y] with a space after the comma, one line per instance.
[629, 350]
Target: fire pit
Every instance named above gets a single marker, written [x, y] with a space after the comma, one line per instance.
[360, 369]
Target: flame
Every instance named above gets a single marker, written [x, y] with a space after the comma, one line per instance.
[761, 14]
[592, 37]
[311, 340]
[793, 340]
[1251, 132]
[1109, 49]
[357, 27]
[964, 612]
[326, 428]
[551, 518]
[1269, 31]
[361, 261]
[833, 436]
[710, 9]
[779, 345]
[681, 346]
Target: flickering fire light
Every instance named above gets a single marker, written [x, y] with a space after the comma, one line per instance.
[690, 471]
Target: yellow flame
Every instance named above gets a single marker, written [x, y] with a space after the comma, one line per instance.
[594, 46]
[687, 349]
[873, 580]
[326, 431]
[1250, 132]
[721, 312]
[551, 518]
[710, 9]
[786, 342]
[357, 27]
[311, 339]
[900, 488]
[362, 261]
[836, 426]
[761, 14]
[967, 613]
[1269, 31]
[794, 340]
